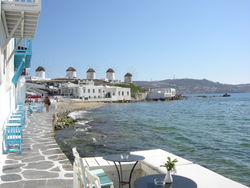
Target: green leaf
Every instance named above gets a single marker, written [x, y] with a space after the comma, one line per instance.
[170, 164]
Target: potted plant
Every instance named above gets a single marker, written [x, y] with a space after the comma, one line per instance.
[170, 166]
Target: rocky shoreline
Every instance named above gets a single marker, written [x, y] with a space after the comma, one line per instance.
[66, 106]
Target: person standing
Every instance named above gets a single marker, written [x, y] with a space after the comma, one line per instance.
[47, 103]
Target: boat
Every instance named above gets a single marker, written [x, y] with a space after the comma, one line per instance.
[226, 95]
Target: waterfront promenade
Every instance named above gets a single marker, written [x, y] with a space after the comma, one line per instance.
[41, 163]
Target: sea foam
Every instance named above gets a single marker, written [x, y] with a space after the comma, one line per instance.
[77, 115]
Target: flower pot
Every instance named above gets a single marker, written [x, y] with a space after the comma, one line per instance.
[168, 178]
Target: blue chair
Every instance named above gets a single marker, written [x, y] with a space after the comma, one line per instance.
[83, 177]
[20, 106]
[15, 124]
[17, 118]
[29, 110]
[22, 113]
[35, 108]
[13, 138]
[38, 109]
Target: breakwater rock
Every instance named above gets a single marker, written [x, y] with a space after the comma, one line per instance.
[62, 122]
[61, 118]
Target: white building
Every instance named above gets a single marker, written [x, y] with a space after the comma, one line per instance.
[110, 75]
[40, 73]
[161, 93]
[8, 91]
[90, 74]
[69, 89]
[71, 73]
[91, 92]
[128, 78]
[15, 53]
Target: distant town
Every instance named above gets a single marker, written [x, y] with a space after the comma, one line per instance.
[108, 89]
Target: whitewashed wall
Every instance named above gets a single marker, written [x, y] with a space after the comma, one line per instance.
[40, 75]
[97, 93]
[21, 90]
[7, 89]
[128, 79]
[71, 74]
[161, 93]
[91, 75]
[110, 76]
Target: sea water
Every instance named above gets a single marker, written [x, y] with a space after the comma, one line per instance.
[211, 131]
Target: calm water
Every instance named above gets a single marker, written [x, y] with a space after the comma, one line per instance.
[213, 132]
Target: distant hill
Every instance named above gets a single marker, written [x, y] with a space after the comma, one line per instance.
[193, 86]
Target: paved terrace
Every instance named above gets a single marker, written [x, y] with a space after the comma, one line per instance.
[42, 163]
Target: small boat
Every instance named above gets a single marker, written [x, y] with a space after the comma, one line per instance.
[226, 95]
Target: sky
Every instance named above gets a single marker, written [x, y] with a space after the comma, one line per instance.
[152, 39]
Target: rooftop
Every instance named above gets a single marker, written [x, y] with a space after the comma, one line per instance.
[40, 68]
[128, 74]
[71, 69]
[90, 70]
[110, 70]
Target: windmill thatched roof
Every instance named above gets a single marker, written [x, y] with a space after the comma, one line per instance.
[40, 68]
[71, 69]
[110, 70]
[90, 70]
[128, 75]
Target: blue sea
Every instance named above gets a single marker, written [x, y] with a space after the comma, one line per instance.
[213, 131]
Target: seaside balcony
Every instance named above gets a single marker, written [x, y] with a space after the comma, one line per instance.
[23, 53]
[152, 164]
[22, 57]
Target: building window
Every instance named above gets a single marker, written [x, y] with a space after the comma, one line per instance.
[108, 95]
[94, 97]
[122, 93]
[127, 93]
[88, 90]
[113, 94]
[93, 90]
[84, 90]
[99, 90]
[119, 93]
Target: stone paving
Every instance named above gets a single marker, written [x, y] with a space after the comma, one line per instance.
[41, 163]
